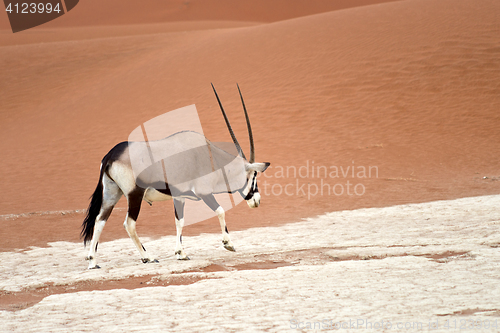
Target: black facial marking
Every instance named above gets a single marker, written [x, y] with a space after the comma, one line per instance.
[253, 187]
[248, 196]
[254, 182]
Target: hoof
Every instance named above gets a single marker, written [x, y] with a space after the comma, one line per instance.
[181, 255]
[229, 247]
[149, 261]
[92, 263]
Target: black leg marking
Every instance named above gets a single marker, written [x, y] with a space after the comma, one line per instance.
[179, 209]
[210, 201]
[106, 213]
[226, 230]
[134, 203]
[143, 247]
[180, 238]
[96, 246]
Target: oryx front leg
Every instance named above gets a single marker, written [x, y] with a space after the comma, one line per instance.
[179, 224]
[214, 205]
[130, 223]
[226, 241]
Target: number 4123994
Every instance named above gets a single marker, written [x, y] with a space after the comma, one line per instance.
[32, 8]
[470, 324]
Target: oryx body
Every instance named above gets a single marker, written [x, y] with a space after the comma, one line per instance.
[189, 167]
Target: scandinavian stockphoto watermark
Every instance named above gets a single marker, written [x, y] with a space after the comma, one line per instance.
[312, 179]
[386, 325]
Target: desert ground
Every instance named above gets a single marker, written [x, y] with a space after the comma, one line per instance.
[379, 118]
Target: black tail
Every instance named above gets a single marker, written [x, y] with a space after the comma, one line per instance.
[95, 205]
[92, 212]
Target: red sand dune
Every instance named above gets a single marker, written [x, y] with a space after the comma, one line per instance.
[410, 87]
[111, 18]
[130, 12]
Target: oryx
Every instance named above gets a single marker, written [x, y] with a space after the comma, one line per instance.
[192, 168]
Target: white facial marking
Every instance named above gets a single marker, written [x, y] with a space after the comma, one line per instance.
[254, 202]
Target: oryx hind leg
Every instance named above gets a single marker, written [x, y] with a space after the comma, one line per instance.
[179, 224]
[134, 206]
[214, 205]
[111, 193]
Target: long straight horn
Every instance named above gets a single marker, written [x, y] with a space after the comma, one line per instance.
[238, 147]
[250, 135]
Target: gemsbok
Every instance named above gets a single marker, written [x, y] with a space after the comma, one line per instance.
[191, 167]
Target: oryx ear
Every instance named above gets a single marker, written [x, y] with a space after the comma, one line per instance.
[259, 167]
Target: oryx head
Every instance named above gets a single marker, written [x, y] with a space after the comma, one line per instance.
[249, 192]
